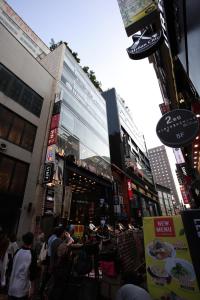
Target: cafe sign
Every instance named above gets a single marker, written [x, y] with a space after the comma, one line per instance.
[144, 44]
[177, 128]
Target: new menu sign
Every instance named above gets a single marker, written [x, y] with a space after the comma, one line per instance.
[170, 272]
[136, 14]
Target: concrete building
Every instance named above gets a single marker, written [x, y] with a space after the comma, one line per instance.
[25, 104]
[78, 146]
[21, 31]
[161, 170]
[128, 154]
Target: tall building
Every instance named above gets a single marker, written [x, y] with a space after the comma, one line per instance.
[21, 31]
[135, 192]
[78, 145]
[161, 169]
[25, 102]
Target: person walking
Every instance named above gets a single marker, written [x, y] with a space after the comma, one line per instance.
[24, 271]
[4, 244]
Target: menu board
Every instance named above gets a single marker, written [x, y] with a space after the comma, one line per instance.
[170, 272]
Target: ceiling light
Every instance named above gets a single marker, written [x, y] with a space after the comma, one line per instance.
[196, 145]
[197, 137]
[198, 115]
[195, 152]
[186, 154]
[181, 100]
[195, 167]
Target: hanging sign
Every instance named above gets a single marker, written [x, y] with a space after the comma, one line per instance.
[48, 172]
[177, 128]
[136, 14]
[144, 44]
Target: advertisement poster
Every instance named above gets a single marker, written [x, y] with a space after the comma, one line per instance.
[133, 11]
[170, 272]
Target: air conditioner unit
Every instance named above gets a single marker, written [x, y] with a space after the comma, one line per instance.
[3, 147]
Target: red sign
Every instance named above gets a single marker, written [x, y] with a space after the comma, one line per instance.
[164, 227]
[55, 121]
[52, 137]
[184, 195]
[130, 191]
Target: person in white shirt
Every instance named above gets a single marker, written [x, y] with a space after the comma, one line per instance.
[24, 271]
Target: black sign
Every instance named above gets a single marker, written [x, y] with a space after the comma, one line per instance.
[177, 128]
[48, 172]
[144, 44]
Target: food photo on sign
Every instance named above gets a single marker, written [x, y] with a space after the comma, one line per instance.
[170, 271]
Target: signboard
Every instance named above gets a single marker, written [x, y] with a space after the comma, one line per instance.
[191, 221]
[144, 44]
[48, 172]
[170, 272]
[49, 201]
[130, 192]
[177, 128]
[179, 156]
[136, 14]
[184, 195]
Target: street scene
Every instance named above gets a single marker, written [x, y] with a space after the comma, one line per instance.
[99, 150]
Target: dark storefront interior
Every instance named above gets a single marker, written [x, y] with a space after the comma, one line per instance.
[90, 197]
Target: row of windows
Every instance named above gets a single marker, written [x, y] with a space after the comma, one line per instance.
[16, 130]
[13, 174]
[14, 88]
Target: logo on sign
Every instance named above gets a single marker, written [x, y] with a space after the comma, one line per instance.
[144, 44]
[177, 128]
[164, 227]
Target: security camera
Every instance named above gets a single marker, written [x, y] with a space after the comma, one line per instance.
[3, 146]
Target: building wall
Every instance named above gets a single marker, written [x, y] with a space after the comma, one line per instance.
[19, 61]
[21, 31]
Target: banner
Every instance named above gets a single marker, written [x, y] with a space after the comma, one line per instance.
[170, 272]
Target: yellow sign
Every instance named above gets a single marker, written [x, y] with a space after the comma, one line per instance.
[135, 10]
[170, 272]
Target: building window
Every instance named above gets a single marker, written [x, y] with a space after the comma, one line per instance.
[13, 174]
[18, 91]
[16, 130]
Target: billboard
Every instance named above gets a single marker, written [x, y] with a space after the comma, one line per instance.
[170, 271]
[136, 14]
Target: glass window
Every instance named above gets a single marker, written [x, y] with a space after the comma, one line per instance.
[6, 118]
[6, 169]
[5, 78]
[28, 137]
[14, 88]
[16, 130]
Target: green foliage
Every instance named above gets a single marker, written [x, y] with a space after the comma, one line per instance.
[86, 69]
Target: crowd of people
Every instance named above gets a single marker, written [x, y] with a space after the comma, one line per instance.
[42, 268]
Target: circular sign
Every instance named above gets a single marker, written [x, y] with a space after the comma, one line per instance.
[144, 44]
[177, 128]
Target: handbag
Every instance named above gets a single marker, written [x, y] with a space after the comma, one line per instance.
[43, 253]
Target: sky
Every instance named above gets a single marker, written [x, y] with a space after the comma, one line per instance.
[94, 29]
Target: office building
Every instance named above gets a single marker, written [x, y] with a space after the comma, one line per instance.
[135, 193]
[78, 145]
[25, 103]
[161, 170]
